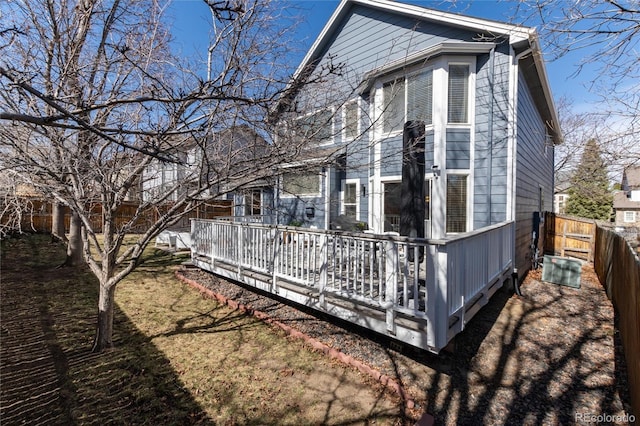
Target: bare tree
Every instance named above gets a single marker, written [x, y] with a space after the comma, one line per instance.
[95, 104]
[608, 35]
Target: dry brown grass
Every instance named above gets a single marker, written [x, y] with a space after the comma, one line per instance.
[180, 358]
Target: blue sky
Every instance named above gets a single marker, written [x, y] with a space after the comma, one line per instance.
[191, 29]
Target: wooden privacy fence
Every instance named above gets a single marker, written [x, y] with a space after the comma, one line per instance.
[618, 269]
[569, 236]
[36, 215]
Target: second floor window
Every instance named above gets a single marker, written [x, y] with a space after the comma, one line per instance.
[407, 98]
[458, 99]
[317, 127]
[351, 120]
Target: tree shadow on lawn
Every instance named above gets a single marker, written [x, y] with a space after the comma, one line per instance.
[48, 374]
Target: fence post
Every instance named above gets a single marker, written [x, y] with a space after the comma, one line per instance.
[391, 284]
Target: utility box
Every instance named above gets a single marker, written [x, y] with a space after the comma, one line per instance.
[563, 271]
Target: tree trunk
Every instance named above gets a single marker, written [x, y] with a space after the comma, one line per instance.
[58, 231]
[74, 245]
[104, 331]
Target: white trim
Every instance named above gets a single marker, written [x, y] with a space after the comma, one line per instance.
[284, 194]
[344, 183]
[512, 135]
[332, 110]
[516, 32]
[518, 35]
[418, 58]
[439, 186]
[470, 62]
[469, 199]
[629, 219]
[396, 179]
[345, 137]
[326, 179]
[405, 75]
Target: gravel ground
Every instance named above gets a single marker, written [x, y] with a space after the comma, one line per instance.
[552, 356]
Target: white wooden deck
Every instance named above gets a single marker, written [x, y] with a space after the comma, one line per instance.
[421, 292]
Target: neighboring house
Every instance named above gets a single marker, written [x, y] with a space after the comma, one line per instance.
[626, 203]
[490, 126]
[561, 192]
[167, 181]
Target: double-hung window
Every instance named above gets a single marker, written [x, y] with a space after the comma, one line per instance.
[351, 120]
[458, 98]
[252, 203]
[350, 200]
[629, 216]
[317, 127]
[407, 98]
[456, 203]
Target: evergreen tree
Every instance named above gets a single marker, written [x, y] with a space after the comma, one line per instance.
[589, 194]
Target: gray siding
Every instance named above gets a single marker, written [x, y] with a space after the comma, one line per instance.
[458, 149]
[491, 137]
[534, 173]
[369, 38]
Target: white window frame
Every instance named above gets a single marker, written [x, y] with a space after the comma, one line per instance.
[331, 110]
[470, 62]
[404, 76]
[248, 201]
[343, 193]
[285, 194]
[345, 124]
[468, 198]
[629, 216]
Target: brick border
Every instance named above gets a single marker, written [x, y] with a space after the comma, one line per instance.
[387, 381]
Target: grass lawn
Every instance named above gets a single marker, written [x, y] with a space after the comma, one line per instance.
[179, 358]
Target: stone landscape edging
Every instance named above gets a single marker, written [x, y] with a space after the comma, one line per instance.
[388, 382]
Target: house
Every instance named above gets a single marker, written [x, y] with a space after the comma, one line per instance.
[626, 202]
[208, 162]
[561, 193]
[478, 88]
[435, 125]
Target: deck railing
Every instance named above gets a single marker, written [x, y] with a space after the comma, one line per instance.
[438, 283]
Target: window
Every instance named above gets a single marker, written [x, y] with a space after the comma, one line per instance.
[393, 115]
[458, 98]
[629, 216]
[317, 126]
[351, 120]
[252, 203]
[456, 203]
[350, 200]
[300, 184]
[392, 202]
[407, 98]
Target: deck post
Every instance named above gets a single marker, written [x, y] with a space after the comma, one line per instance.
[324, 270]
[442, 298]
[391, 284]
[277, 238]
[240, 254]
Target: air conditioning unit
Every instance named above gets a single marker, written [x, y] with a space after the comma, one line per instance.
[562, 271]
